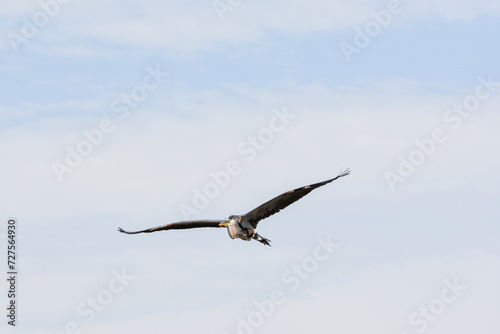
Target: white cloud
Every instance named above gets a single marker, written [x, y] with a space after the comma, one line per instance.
[194, 25]
[201, 281]
[382, 302]
[366, 130]
[455, 10]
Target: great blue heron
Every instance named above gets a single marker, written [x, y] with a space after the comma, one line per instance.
[243, 227]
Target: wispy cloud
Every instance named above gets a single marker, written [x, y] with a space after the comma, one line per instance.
[194, 25]
[225, 79]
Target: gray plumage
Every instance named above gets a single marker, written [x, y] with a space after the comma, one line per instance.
[243, 226]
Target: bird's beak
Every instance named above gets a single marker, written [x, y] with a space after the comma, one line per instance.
[224, 223]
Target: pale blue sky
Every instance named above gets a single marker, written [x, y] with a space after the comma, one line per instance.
[400, 246]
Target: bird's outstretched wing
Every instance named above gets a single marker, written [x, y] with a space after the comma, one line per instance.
[178, 226]
[282, 201]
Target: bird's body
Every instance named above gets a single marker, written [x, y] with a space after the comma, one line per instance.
[240, 228]
[243, 226]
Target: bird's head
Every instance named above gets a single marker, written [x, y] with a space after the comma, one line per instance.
[228, 221]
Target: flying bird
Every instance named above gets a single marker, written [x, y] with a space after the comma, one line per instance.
[243, 227]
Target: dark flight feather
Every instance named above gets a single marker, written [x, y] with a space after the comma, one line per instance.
[282, 201]
[178, 226]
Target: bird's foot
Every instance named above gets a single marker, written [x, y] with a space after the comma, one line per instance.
[261, 239]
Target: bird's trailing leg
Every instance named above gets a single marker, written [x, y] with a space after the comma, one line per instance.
[261, 239]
